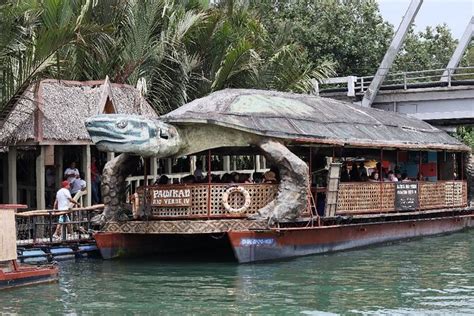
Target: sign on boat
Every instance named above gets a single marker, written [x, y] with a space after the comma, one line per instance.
[312, 194]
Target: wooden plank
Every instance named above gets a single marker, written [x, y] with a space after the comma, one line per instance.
[7, 235]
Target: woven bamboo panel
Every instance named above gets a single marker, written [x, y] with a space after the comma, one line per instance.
[442, 194]
[365, 197]
[7, 235]
[454, 194]
[431, 195]
[260, 195]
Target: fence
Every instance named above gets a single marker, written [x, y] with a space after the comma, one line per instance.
[403, 80]
[357, 198]
[38, 227]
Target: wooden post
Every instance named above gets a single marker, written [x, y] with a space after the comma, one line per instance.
[257, 163]
[226, 163]
[7, 235]
[154, 168]
[86, 166]
[110, 155]
[192, 164]
[234, 164]
[40, 180]
[59, 165]
[12, 184]
[209, 183]
[168, 166]
[5, 178]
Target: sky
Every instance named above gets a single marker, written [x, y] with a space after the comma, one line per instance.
[455, 13]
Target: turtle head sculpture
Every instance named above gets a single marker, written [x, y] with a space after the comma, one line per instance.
[133, 134]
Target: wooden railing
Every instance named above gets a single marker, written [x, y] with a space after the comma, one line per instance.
[373, 197]
[38, 227]
[206, 200]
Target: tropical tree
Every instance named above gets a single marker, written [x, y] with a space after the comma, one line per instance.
[351, 34]
[237, 51]
[429, 49]
[175, 50]
[36, 36]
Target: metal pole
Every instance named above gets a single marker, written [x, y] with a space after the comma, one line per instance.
[395, 45]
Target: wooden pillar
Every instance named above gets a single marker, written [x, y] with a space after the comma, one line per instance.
[226, 160]
[204, 163]
[257, 163]
[192, 164]
[154, 168]
[5, 179]
[168, 165]
[86, 166]
[40, 180]
[234, 164]
[59, 165]
[12, 184]
[110, 155]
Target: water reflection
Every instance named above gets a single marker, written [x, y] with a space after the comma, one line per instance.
[430, 275]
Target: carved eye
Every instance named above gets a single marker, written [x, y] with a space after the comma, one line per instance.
[121, 124]
[163, 134]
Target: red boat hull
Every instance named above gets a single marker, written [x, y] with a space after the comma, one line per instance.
[251, 246]
[24, 275]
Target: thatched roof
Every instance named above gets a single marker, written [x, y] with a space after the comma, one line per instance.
[302, 118]
[56, 112]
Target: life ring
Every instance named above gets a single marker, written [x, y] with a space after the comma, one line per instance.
[228, 192]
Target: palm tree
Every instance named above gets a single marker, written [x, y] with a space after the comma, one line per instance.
[36, 36]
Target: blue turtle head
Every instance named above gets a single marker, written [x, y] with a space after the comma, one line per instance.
[133, 134]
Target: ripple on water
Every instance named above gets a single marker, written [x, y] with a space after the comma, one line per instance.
[425, 276]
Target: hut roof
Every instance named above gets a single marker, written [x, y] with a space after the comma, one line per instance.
[54, 111]
[303, 118]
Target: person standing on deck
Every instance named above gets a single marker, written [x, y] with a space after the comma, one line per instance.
[63, 198]
[78, 184]
[95, 181]
[71, 173]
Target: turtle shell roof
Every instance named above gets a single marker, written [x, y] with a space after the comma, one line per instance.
[303, 118]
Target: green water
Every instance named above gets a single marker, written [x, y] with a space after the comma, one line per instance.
[425, 276]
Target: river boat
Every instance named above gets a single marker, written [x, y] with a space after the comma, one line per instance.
[312, 209]
[22, 275]
[13, 274]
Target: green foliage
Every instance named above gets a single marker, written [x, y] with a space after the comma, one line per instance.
[351, 34]
[430, 49]
[176, 50]
[466, 135]
[36, 35]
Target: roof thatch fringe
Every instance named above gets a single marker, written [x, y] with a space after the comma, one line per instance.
[64, 106]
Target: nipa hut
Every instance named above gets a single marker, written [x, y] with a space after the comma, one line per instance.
[45, 128]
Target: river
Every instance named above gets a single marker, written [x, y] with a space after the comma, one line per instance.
[432, 275]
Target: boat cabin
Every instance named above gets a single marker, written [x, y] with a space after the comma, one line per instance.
[343, 181]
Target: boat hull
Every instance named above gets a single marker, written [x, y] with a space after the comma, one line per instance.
[261, 245]
[24, 276]
[252, 246]
[121, 245]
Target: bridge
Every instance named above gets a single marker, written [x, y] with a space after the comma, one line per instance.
[443, 97]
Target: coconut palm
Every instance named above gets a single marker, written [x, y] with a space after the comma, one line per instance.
[36, 36]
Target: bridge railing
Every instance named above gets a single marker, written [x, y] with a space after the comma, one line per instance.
[403, 80]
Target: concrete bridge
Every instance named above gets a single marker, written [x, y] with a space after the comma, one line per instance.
[443, 97]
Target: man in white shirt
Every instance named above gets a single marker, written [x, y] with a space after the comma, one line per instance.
[78, 185]
[71, 173]
[63, 198]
